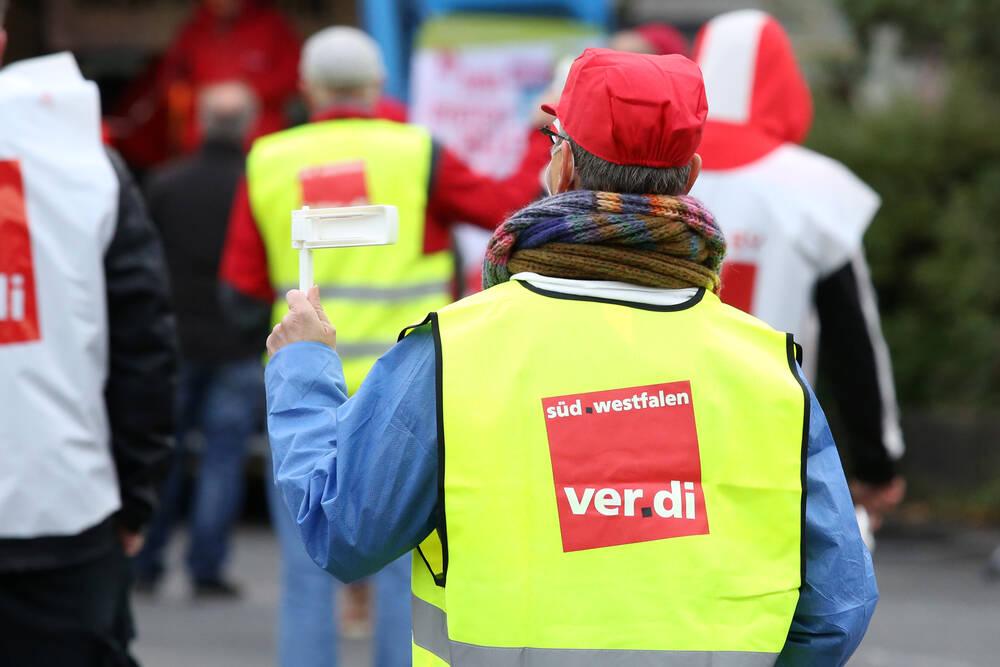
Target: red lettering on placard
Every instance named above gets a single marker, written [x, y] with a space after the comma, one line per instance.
[18, 304]
[337, 184]
[626, 465]
[738, 282]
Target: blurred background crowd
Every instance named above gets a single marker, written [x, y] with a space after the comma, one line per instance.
[905, 94]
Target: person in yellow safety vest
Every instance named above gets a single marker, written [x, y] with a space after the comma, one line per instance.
[594, 461]
[348, 156]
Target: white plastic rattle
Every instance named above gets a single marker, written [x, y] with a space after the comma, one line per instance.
[345, 227]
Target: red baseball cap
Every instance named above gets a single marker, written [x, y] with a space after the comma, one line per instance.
[633, 108]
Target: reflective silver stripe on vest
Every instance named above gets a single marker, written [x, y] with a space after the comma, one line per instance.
[430, 628]
[364, 349]
[383, 294]
[430, 632]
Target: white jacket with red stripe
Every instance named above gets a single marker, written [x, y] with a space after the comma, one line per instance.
[58, 205]
[794, 222]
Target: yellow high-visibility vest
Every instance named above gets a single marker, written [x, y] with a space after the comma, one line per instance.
[369, 292]
[622, 484]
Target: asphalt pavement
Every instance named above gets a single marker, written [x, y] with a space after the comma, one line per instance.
[936, 610]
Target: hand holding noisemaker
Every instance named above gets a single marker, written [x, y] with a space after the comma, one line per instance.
[326, 228]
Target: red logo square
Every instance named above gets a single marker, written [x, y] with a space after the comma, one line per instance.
[626, 465]
[18, 307]
[337, 184]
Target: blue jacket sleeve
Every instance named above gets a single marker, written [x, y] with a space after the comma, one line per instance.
[839, 594]
[358, 506]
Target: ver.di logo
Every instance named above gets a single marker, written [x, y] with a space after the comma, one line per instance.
[626, 465]
[18, 302]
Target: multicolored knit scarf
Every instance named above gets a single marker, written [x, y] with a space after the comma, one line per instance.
[650, 240]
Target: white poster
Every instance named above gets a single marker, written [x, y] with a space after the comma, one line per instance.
[478, 99]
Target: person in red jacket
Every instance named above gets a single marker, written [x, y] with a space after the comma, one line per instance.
[242, 40]
[224, 40]
[342, 75]
[456, 193]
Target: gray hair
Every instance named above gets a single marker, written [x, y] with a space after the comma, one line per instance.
[226, 111]
[341, 57]
[596, 173]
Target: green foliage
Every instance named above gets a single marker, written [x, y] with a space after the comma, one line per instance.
[934, 247]
[961, 28]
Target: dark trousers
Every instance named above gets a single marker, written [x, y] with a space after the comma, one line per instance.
[223, 401]
[73, 616]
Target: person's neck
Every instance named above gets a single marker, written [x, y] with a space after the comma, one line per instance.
[342, 109]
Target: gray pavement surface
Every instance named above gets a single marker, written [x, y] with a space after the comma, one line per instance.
[936, 610]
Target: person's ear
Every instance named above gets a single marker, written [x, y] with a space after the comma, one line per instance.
[565, 170]
[695, 165]
[3, 41]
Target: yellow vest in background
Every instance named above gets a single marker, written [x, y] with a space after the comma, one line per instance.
[622, 485]
[372, 292]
